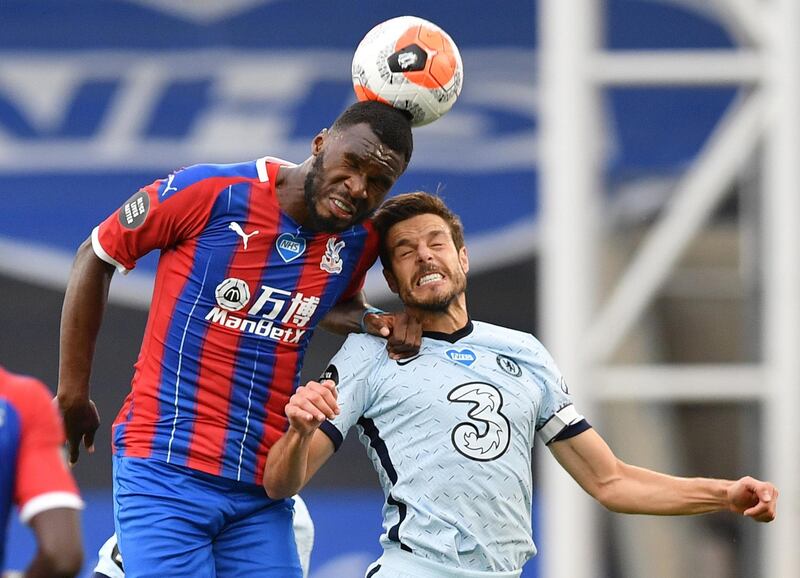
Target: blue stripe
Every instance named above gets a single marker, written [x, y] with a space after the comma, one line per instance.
[256, 358]
[376, 442]
[394, 532]
[10, 431]
[215, 249]
[186, 177]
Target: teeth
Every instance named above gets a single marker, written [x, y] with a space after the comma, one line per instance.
[341, 205]
[429, 279]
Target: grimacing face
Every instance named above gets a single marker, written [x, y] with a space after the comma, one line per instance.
[428, 271]
[352, 173]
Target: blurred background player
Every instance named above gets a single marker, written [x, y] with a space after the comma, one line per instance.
[34, 476]
[110, 563]
[253, 257]
[451, 430]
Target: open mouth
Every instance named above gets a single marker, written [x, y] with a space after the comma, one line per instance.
[429, 278]
[341, 209]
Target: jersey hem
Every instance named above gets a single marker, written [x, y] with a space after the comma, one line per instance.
[333, 433]
[49, 501]
[420, 567]
[103, 255]
[203, 466]
[571, 431]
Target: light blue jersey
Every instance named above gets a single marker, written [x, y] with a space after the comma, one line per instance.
[450, 433]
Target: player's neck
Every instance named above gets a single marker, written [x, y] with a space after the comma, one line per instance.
[449, 321]
[289, 189]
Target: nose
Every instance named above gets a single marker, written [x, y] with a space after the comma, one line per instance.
[357, 186]
[424, 253]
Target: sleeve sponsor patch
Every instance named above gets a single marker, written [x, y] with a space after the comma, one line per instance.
[331, 373]
[134, 211]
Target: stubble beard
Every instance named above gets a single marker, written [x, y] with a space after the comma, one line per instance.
[438, 303]
[311, 194]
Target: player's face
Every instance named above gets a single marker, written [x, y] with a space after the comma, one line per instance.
[351, 175]
[428, 271]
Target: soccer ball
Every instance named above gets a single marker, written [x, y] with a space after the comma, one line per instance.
[411, 64]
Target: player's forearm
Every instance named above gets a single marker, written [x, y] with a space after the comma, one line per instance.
[643, 491]
[345, 317]
[286, 469]
[81, 316]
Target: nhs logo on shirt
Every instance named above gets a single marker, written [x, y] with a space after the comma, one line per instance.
[465, 357]
[290, 247]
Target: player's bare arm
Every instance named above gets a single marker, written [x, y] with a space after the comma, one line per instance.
[302, 450]
[628, 489]
[82, 314]
[58, 553]
[402, 331]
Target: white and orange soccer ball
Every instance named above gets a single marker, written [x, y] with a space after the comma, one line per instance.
[410, 63]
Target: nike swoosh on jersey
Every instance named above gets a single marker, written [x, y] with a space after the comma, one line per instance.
[402, 362]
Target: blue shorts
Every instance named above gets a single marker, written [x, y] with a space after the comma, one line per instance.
[174, 521]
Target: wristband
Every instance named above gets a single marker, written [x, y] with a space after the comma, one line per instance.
[368, 311]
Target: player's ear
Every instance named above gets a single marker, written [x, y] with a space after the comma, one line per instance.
[316, 144]
[391, 280]
[464, 258]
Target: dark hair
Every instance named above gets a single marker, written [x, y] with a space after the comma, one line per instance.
[391, 125]
[403, 207]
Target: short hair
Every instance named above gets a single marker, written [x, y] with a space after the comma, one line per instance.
[403, 207]
[390, 124]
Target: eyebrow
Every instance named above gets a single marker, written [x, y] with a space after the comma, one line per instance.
[407, 242]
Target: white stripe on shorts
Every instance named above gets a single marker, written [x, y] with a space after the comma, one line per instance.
[397, 563]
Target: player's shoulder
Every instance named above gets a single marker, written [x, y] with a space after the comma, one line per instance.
[512, 343]
[364, 343]
[27, 395]
[505, 336]
[362, 350]
[186, 176]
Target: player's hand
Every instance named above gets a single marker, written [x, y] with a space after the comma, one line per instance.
[754, 499]
[81, 420]
[403, 332]
[311, 405]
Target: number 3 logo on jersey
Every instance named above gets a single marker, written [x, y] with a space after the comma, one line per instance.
[486, 436]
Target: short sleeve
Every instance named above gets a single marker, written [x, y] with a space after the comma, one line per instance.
[556, 411]
[157, 216]
[43, 480]
[350, 369]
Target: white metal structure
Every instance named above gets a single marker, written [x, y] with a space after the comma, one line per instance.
[583, 333]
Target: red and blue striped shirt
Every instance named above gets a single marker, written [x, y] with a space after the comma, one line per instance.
[239, 289]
